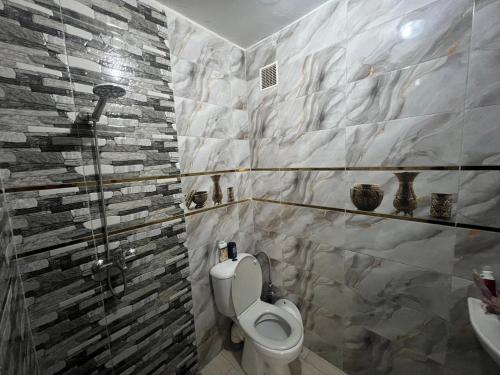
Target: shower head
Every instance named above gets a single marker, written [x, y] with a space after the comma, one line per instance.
[104, 92]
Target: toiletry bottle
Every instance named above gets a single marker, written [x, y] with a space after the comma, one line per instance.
[222, 251]
[232, 253]
[489, 279]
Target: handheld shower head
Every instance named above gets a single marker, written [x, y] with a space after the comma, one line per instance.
[104, 92]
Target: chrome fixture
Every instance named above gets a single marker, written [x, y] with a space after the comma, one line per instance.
[103, 268]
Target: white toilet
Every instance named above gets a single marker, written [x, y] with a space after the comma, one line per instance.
[273, 333]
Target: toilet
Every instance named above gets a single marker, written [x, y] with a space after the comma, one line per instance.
[274, 334]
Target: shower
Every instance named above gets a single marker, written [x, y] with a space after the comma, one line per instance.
[102, 267]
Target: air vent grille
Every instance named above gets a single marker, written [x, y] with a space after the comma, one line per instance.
[269, 76]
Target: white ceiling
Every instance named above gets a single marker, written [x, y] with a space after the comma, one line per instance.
[243, 22]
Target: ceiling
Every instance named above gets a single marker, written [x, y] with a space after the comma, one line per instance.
[243, 22]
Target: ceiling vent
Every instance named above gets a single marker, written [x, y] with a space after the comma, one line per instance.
[268, 76]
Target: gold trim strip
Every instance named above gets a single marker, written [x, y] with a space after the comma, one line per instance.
[93, 183]
[383, 215]
[202, 210]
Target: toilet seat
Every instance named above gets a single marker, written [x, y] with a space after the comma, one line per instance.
[264, 313]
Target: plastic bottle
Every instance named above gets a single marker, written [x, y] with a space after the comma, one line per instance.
[232, 252]
[222, 246]
[489, 280]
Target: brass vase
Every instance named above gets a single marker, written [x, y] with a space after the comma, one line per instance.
[366, 197]
[405, 200]
[217, 194]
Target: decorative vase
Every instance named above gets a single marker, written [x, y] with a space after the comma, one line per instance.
[217, 194]
[366, 197]
[441, 205]
[230, 194]
[405, 200]
[200, 197]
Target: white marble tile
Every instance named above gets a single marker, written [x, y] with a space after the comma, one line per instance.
[324, 148]
[430, 87]
[486, 28]
[365, 14]
[483, 85]
[199, 119]
[266, 185]
[432, 140]
[481, 136]
[260, 55]
[265, 153]
[479, 198]
[309, 34]
[210, 154]
[321, 188]
[201, 83]
[439, 29]
[262, 110]
[422, 245]
[319, 111]
[319, 71]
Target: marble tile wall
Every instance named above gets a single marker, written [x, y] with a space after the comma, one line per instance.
[210, 87]
[54, 52]
[367, 89]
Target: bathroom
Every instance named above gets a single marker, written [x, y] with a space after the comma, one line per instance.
[348, 152]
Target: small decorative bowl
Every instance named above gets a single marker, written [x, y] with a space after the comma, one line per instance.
[200, 197]
[366, 197]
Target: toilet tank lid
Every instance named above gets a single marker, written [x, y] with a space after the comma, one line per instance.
[225, 270]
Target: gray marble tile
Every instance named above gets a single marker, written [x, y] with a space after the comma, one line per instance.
[245, 215]
[308, 34]
[265, 153]
[205, 229]
[481, 137]
[483, 85]
[266, 185]
[321, 188]
[322, 259]
[260, 55]
[323, 335]
[464, 354]
[199, 119]
[267, 216]
[314, 289]
[405, 93]
[200, 83]
[319, 71]
[313, 224]
[485, 28]
[319, 111]
[426, 183]
[210, 154]
[270, 243]
[324, 148]
[478, 201]
[238, 93]
[416, 244]
[237, 63]
[473, 250]
[439, 29]
[262, 111]
[392, 339]
[365, 14]
[378, 282]
[241, 123]
[190, 42]
[416, 141]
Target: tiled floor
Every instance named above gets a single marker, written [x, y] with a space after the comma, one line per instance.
[227, 363]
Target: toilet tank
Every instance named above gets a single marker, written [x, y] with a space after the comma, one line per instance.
[222, 278]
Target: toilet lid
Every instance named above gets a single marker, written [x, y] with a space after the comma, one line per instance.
[246, 285]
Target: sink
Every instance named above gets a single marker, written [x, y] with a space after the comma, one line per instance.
[487, 328]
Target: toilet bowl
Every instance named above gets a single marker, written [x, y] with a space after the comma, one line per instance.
[273, 333]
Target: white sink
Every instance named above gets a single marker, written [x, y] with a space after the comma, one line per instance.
[487, 328]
